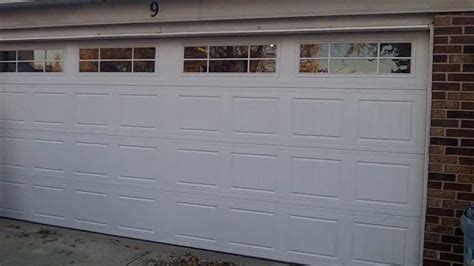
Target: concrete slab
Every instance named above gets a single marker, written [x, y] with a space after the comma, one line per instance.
[23, 243]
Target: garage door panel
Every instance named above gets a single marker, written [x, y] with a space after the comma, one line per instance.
[93, 110]
[50, 156]
[56, 115]
[91, 159]
[137, 162]
[10, 204]
[13, 108]
[14, 156]
[135, 110]
[51, 202]
[92, 208]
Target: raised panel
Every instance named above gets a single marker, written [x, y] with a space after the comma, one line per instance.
[138, 111]
[385, 120]
[315, 178]
[312, 237]
[92, 109]
[92, 159]
[50, 202]
[203, 229]
[252, 115]
[56, 111]
[12, 153]
[49, 156]
[382, 183]
[13, 197]
[317, 117]
[199, 113]
[12, 107]
[252, 229]
[197, 168]
[138, 163]
[256, 173]
[140, 215]
[90, 208]
[379, 244]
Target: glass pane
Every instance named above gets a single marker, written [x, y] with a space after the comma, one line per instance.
[195, 66]
[54, 66]
[7, 67]
[116, 53]
[395, 66]
[263, 51]
[144, 53]
[354, 50]
[228, 51]
[88, 66]
[195, 52]
[115, 66]
[54, 54]
[31, 67]
[313, 66]
[314, 50]
[395, 50]
[228, 66]
[7, 55]
[351, 66]
[262, 66]
[86, 54]
[31, 55]
[144, 66]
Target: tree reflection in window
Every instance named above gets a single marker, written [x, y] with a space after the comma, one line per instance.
[38, 60]
[137, 59]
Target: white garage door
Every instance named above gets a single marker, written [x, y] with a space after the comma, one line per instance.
[306, 149]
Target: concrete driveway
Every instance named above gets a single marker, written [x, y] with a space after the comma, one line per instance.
[23, 243]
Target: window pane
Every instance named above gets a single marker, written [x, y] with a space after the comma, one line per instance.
[54, 66]
[144, 53]
[31, 67]
[31, 55]
[195, 66]
[85, 54]
[314, 50]
[88, 66]
[144, 66]
[351, 66]
[195, 52]
[116, 53]
[54, 54]
[395, 66]
[262, 66]
[115, 66]
[354, 50]
[263, 51]
[228, 66]
[7, 67]
[7, 55]
[228, 51]
[313, 66]
[395, 50]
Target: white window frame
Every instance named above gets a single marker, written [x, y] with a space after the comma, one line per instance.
[44, 72]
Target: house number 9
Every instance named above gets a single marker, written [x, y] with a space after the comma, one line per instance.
[154, 8]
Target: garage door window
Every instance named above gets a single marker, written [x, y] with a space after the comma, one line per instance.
[355, 58]
[31, 61]
[141, 59]
[230, 59]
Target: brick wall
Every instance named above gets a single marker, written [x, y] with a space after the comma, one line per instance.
[451, 168]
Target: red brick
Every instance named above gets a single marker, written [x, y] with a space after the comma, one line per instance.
[466, 160]
[466, 178]
[442, 21]
[462, 20]
[444, 123]
[432, 219]
[441, 194]
[464, 58]
[445, 86]
[468, 68]
[440, 40]
[451, 239]
[448, 30]
[460, 133]
[438, 113]
[444, 141]
[460, 114]
[434, 185]
[436, 203]
[440, 58]
[450, 221]
[438, 95]
[451, 257]
[428, 262]
[436, 150]
[469, 30]
[437, 246]
[441, 176]
[467, 49]
[456, 187]
[447, 49]
[443, 159]
[461, 39]
[457, 77]
[455, 204]
[445, 105]
[465, 196]
[433, 167]
[437, 132]
[431, 254]
[467, 124]
[467, 105]
[456, 169]
[468, 86]
[440, 77]
[459, 249]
